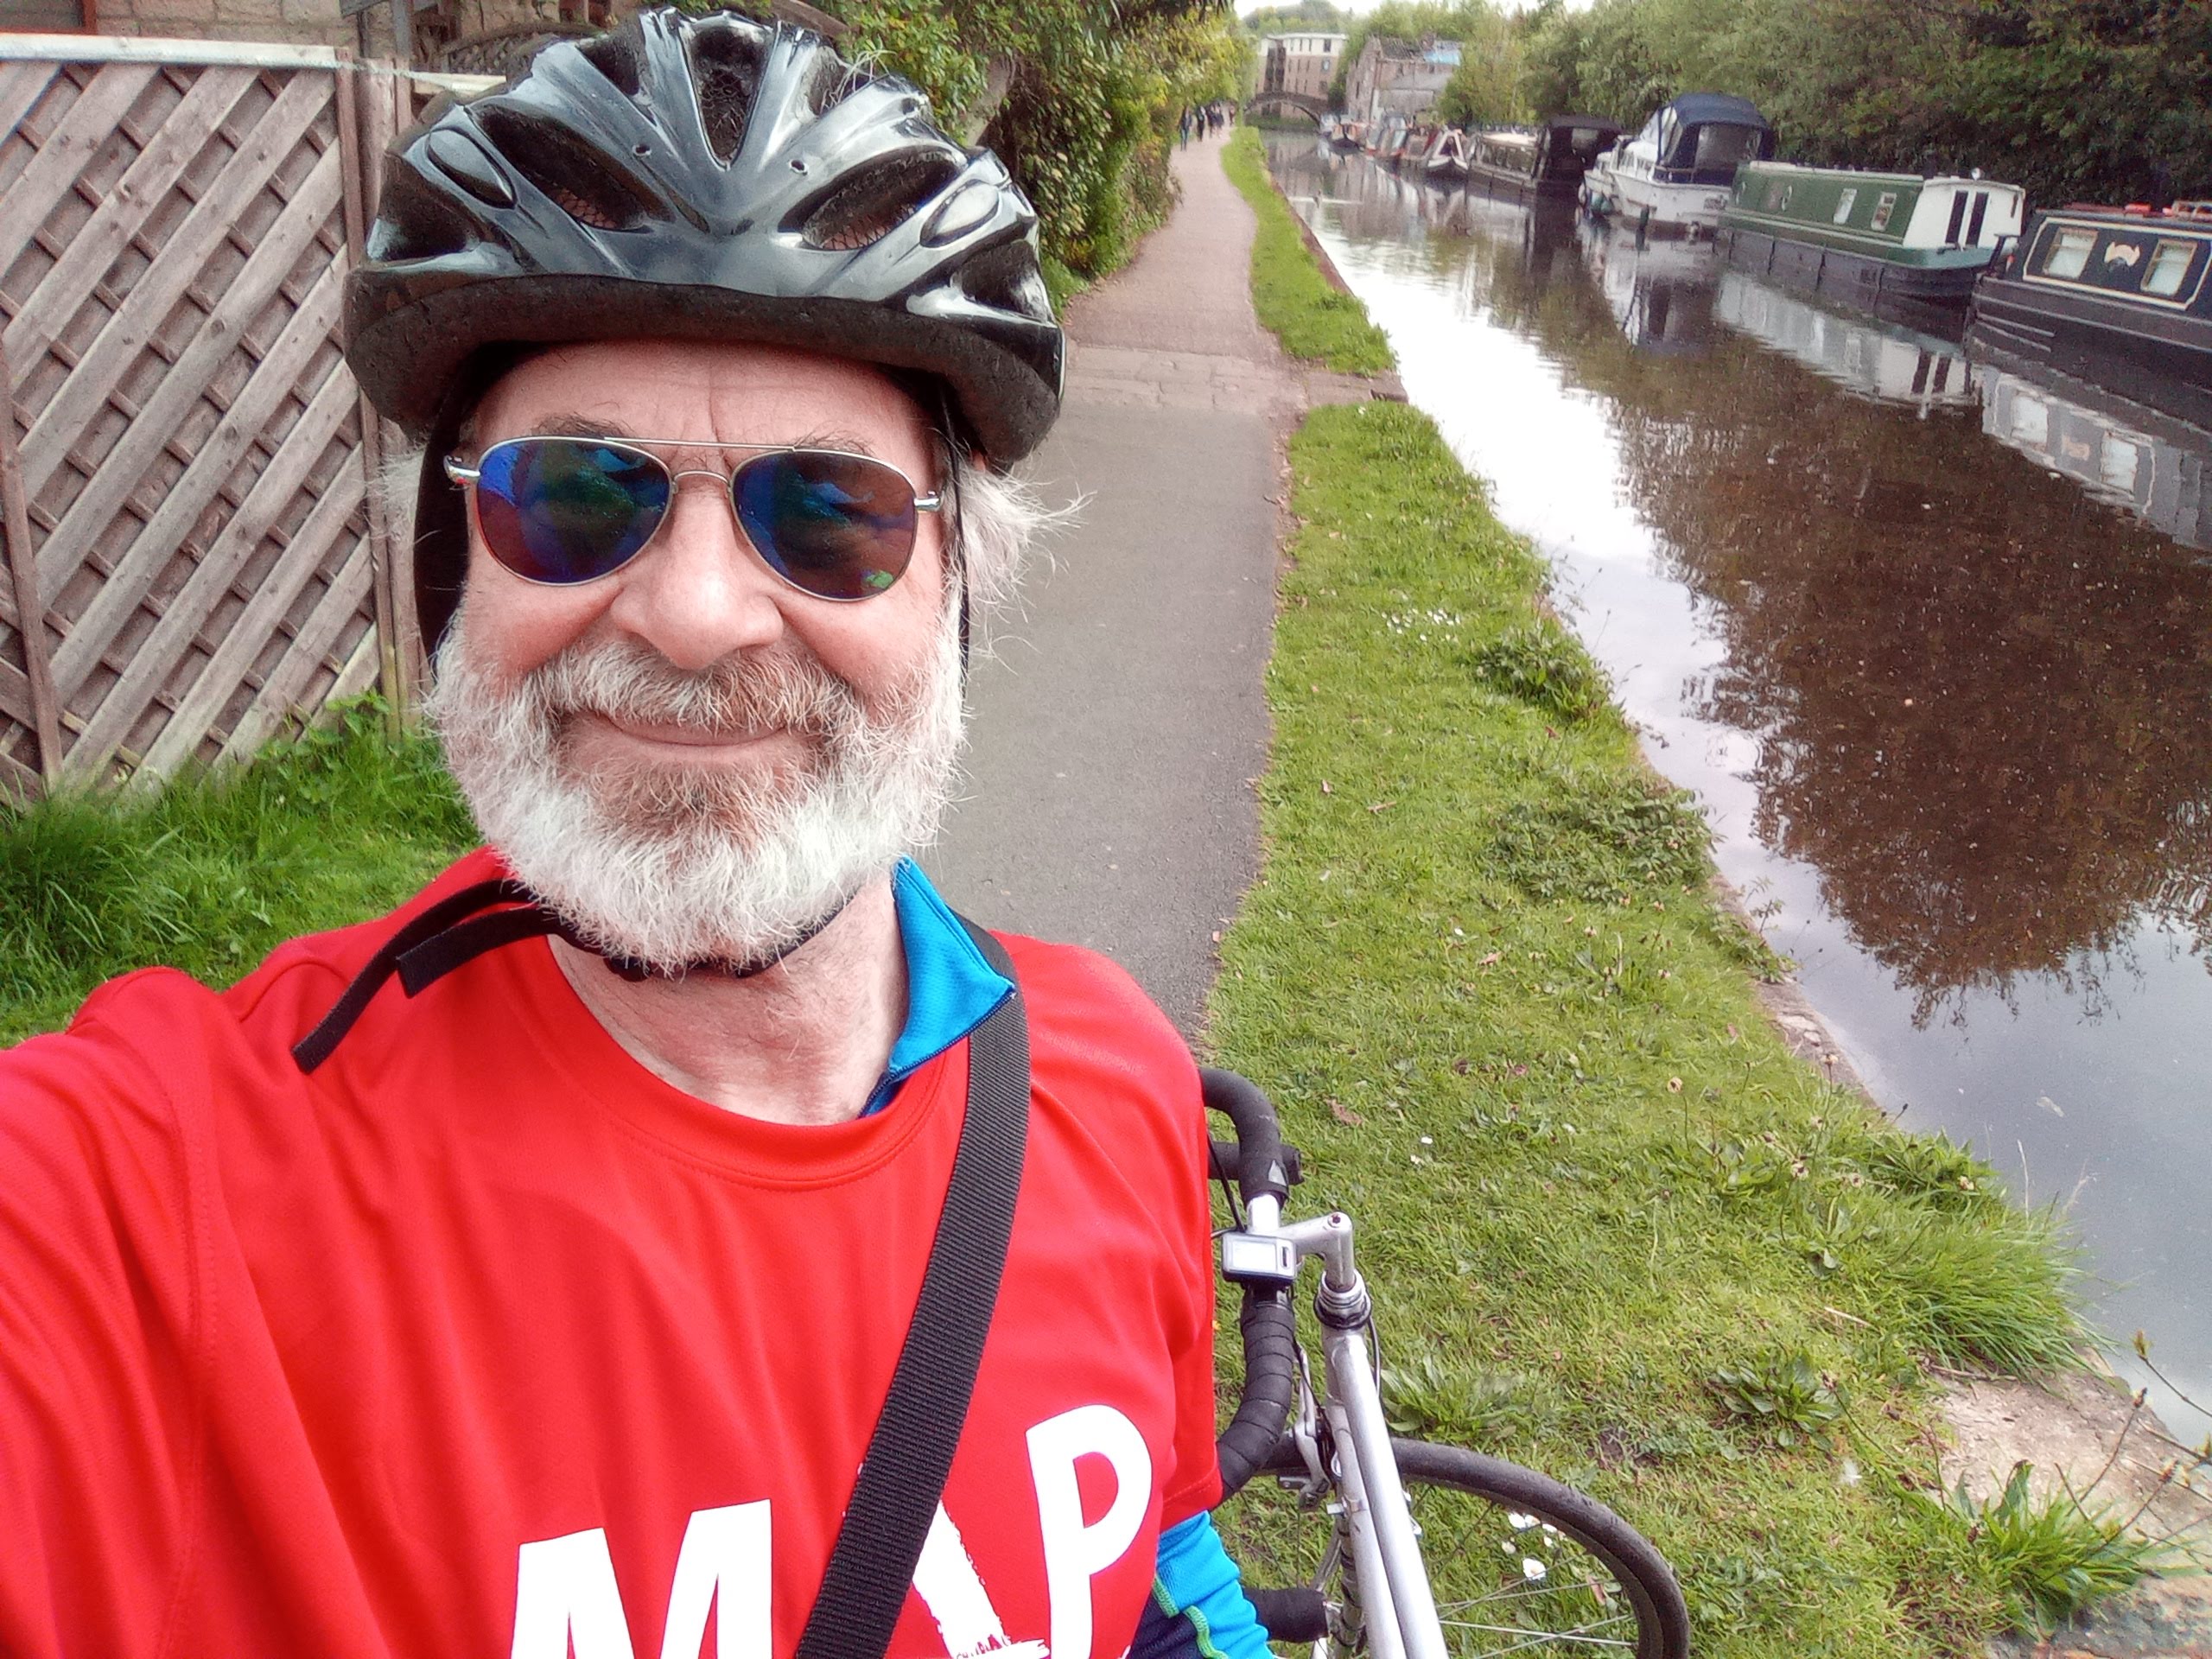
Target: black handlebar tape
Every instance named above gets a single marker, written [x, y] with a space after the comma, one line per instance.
[1261, 1171]
[1298, 1614]
[1269, 1330]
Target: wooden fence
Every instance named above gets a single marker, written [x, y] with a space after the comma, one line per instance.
[195, 556]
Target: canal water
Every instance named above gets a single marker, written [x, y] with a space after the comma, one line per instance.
[1930, 640]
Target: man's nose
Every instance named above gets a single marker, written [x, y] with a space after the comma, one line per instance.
[699, 592]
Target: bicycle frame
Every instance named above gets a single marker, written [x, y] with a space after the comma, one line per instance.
[1396, 1602]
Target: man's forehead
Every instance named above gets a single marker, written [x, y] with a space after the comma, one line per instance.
[636, 387]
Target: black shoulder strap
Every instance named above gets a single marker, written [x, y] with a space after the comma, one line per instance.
[910, 1454]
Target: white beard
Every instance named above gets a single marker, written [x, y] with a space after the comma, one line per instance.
[675, 866]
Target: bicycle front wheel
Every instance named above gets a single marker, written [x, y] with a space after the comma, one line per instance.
[1520, 1564]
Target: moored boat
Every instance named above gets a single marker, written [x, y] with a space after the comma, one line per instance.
[1447, 159]
[1549, 161]
[1674, 177]
[1864, 236]
[2118, 297]
[1346, 134]
[1411, 153]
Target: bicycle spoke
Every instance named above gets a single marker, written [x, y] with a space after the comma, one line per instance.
[1537, 1639]
[1526, 1590]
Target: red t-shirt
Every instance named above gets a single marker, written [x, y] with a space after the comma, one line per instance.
[483, 1341]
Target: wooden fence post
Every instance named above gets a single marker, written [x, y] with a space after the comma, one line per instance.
[22, 571]
[359, 162]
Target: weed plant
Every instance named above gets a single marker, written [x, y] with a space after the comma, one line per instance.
[1615, 1230]
[2052, 1557]
[332, 826]
[1313, 319]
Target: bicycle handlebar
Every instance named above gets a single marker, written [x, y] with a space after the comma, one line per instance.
[1262, 1171]
[1263, 1167]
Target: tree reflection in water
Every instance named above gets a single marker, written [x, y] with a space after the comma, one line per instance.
[1983, 701]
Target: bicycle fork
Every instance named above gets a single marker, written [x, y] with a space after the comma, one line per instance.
[1397, 1604]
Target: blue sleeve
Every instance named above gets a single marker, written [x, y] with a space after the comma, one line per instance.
[1198, 1609]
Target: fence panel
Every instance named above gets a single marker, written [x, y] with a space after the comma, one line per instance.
[192, 560]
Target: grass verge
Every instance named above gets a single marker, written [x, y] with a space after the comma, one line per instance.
[1312, 319]
[1618, 1232]
[212, 874]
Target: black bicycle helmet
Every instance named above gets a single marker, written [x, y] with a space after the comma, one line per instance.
[695, 177]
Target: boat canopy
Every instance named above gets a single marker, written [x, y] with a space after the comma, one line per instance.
[1703, 137]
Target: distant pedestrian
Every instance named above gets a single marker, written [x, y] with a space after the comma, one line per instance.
[1186, 129]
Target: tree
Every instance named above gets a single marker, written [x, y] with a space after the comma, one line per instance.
[1304, 17]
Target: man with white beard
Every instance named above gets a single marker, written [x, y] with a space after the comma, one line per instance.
[548, 1301]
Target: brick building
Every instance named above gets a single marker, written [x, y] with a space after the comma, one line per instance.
[1395, 77]
[1304, 64]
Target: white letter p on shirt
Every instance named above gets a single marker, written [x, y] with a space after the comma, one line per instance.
[1074, 1553]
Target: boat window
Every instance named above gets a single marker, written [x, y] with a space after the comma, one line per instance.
[2031, 421]
[2169, 265]
[1720, 145]
[1845, 202]
[1884, 205]
[1958, 218]
[2066, 256]
[1774, 195]
[1980, 213]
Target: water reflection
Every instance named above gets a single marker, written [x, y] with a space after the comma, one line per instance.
[1919, 631]
[1661, 292]
[1892, 364]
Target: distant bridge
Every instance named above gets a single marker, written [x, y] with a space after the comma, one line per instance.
[1317, 108]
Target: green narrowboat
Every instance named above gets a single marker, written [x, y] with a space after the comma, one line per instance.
[1863, 238]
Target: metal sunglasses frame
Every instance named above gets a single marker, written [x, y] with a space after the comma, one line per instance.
[460, 471]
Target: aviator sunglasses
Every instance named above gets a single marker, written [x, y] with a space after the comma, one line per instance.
[562, 510]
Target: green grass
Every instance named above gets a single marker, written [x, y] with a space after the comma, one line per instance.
[1616, 1229]
[1313, 319]
[209, 874]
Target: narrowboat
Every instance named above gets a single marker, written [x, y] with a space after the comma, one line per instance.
[1887, 363]
[1412, 155]
[1384, 136]
[1674, 177]
[1863, 238]
[1448, 162]
[1547, 162]
[2118, 297]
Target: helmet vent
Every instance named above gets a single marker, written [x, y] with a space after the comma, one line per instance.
[726, 67]
[564, 168]
[868, 205]
[1007, 279]
[612, 58]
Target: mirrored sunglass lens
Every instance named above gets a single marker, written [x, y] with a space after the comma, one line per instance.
[838, 526]
[561, 509]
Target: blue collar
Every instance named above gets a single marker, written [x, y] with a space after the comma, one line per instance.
[950, 989]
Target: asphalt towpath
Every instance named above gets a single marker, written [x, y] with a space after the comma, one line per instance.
[1119, 722]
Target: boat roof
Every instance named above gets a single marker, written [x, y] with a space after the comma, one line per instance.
[1857, 176]
[1581, 121]
[2189, 213]
[1695, 108]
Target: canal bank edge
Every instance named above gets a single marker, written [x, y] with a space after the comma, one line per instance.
[2069, 1424]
